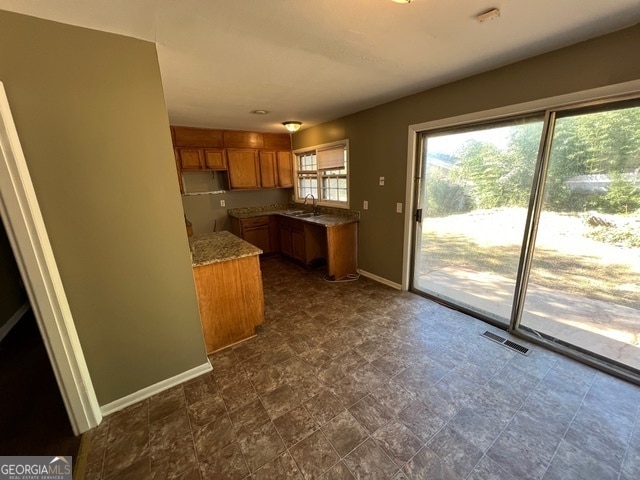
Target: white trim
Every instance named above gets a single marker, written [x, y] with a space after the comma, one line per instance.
[378, 279]
[15, 318]
[154, 389]
[27, 234]
[596, 94]
[323, 146]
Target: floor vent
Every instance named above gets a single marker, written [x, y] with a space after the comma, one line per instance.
[507, 343]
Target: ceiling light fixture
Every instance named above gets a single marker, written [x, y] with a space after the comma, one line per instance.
[401, 1]
[292, 125]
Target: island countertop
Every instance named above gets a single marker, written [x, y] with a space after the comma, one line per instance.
[208, 248]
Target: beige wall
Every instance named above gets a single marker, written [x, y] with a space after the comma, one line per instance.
[378, 136]
[90, 113]
[12, 295]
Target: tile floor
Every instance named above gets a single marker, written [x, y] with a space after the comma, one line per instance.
[357, 380]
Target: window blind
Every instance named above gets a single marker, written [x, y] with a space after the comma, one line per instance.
[331, 158]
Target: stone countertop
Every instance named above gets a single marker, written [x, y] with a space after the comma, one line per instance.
[208, 248]
[327, 217]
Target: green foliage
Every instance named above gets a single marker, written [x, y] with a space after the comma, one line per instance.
[626, 235]
[621, 197]
[606, 142]
[445, 197]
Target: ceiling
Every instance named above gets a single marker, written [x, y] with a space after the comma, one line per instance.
[317, 60]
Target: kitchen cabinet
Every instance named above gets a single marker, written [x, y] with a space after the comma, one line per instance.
[259, 231]
[198, 159]
[284, 167]
[300, 240]
[268, 171]
[253, 160]
[228, 283]
[243, 168]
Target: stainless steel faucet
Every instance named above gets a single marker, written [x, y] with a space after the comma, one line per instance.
[313, 201]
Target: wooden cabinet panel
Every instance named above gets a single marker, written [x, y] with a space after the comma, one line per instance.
[285, 240]
[197, 137]
[285, 169]
[342, 250]
[191, 158]
[268, 173]
[229, 314]
[179, 169]
[258, 236]
[239, 139]
[259, 231]
[297, 246]
[277, 141]
[243, 168]
[215, 159]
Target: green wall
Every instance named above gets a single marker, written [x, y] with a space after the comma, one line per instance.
[90, 113]
[12, 295]
[378, 136]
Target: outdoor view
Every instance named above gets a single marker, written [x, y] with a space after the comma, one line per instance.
[584, 287]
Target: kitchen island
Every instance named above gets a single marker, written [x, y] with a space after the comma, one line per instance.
[228, 281]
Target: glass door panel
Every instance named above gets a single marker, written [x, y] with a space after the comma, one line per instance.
[584, 282]
[474, 195]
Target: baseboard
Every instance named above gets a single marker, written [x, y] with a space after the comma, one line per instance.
[151, 390]
[378, 279]
[15, 318]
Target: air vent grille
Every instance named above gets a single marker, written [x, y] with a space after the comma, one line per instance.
[506, 343]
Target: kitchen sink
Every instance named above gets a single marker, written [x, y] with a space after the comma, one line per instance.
[300, 214]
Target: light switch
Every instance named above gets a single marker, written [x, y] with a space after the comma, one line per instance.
[398, 208]
[381, 182]
[365, 205]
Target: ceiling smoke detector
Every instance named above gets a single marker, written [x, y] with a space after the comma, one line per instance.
[259, 112]
[490, 14]
[401, 1]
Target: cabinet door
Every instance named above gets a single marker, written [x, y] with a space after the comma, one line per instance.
[260, 237]
[191, 158]
[243, 168]
[297, 246]
[215, 159]
[285, 241]
[285, 169]
[268, 174]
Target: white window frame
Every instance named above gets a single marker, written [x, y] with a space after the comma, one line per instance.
[296, 171]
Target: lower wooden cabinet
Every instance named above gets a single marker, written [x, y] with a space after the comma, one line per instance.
[230, 314]
[259, 231]
[303, 241]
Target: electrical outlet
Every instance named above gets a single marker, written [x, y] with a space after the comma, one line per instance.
[365, 205]
[398, 208]
[381, 182]
[223, 203]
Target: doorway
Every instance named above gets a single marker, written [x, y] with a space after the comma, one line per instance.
[532, 223]
[21, 216]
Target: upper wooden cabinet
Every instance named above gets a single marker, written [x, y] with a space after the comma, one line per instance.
[197, 137]
[191, 158]
[284, 166]
[194, 159]
[244, 171]
[215, 159]
[252, 159]
[268, 172]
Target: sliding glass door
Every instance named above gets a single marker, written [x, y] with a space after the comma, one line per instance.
[534, 223]
[474, 197]
[584, 281]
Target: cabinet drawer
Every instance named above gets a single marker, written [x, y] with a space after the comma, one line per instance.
[255, 222]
